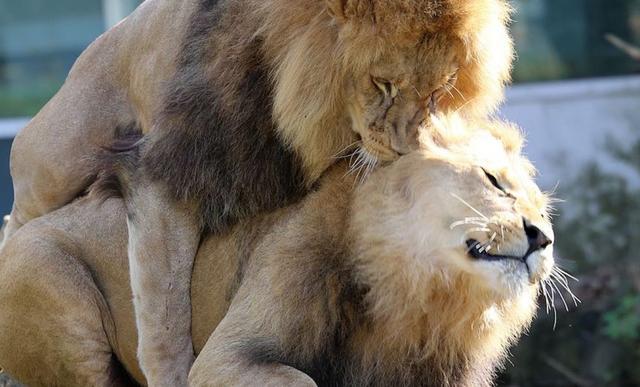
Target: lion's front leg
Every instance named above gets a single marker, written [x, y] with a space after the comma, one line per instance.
[237, 372]
[229, 359]
[163, 241]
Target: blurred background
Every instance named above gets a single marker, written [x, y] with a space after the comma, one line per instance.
[576, 93]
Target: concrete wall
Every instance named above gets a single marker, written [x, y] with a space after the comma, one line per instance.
[568, 123]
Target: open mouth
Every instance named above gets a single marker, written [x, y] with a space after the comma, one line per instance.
[476, 250]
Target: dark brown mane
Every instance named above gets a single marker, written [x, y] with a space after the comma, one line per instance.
[215, 140]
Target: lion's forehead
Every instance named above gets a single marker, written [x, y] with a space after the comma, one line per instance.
[410, 16]
[514, 172]
[484, 150]
[420, 63]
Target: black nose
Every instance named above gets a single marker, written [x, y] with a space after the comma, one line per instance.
[537, 239]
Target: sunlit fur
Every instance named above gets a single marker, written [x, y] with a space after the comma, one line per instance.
[320, 56]
[198, 77]
[427, 294]
[357, 285]
[325, 54]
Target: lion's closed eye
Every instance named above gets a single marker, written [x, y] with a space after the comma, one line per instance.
[494, 180]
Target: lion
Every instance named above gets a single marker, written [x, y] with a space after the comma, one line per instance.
[244, 104]
[423, 274]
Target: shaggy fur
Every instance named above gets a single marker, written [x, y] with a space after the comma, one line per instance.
[245, 103]
[227, 114]
[354, 286]
[277, 83]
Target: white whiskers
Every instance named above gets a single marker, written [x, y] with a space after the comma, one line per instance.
[342, 155]
[467, 221]
[464, 105]
[558, 282]
[361, 163]
[477, 224]
[469, 206]
[552, 288]
[457, 91]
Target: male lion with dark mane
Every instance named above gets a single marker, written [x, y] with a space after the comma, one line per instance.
[244, 104]
[422, 275]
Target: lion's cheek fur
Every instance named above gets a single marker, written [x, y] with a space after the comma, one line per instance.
[310, 115]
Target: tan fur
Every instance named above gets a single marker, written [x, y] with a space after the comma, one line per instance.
[379, 260]
[325, 60]
[324, 76]
[320, 70]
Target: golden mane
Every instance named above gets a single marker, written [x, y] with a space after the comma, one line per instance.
[454, 314]
[244, 104]
[344, 288]
[310, 66]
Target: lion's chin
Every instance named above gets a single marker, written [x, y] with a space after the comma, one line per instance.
[502, 279]
[506, 278]
[376, 153]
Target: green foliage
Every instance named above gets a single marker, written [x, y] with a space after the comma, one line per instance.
[559, 39]
[25, 103]
[601, 219]
[623, 322]
[26, 85]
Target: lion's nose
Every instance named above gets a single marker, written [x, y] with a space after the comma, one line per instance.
[538, 240]
[405, 136]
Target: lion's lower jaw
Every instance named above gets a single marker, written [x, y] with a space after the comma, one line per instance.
[446, 322]
[377, 152]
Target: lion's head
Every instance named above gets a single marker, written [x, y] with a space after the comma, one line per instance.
[459, 233]
[373, 71]
[472, 205]
[497, 212]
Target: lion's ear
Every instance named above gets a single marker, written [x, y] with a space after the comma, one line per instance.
[336, 9]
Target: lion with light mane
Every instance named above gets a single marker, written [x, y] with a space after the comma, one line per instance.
[422, 275]
[244, 104]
